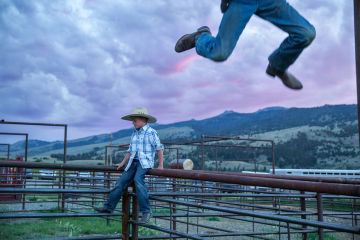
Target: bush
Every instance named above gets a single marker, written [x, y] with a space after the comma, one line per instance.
[100, 163]
[38, 160]
[34, 198]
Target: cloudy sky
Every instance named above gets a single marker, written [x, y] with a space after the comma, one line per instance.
[87, 63]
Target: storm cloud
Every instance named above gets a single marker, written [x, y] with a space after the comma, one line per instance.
[88, 63]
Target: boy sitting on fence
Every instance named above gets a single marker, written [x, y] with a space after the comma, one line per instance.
[143, 145]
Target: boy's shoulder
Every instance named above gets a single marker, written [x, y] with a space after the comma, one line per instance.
[150, 129]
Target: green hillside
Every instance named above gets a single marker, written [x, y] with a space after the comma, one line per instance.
[319, 137]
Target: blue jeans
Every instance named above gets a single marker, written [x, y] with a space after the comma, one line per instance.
[134, 173]
[278, 12]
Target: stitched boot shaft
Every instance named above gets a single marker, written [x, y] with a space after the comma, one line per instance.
[188, 41]
[287, 78]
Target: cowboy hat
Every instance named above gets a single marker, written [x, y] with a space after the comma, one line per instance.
[140, 112]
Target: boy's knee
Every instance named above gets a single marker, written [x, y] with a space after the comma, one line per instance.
[310, 34]
[138, 181]
[307, 36]
[220, 58]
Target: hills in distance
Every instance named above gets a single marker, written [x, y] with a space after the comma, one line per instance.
[318, 137]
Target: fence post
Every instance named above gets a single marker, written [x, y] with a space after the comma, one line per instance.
[135, 214]
[174, 205]
[93, 187]
[320, 214]
[355, 211]
[108, 187]
[303, 209]
[125, 217]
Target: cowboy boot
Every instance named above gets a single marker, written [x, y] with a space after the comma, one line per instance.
[187, 41]
[287, 78]
[146, 217]
[101, 209]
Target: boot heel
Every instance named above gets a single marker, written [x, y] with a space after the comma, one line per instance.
[270, 71]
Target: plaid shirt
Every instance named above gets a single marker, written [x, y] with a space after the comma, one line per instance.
[145, 142]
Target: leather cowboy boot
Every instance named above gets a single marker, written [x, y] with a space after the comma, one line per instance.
[287, 78]
[187, 41]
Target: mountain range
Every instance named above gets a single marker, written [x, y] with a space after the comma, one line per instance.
[332, 122]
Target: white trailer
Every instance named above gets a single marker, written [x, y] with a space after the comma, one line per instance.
[318, 173]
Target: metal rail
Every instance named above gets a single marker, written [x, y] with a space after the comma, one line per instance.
[57, 215]
[337, 189]
[264, 216]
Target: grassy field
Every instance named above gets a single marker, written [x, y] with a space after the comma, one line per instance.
[62, 227]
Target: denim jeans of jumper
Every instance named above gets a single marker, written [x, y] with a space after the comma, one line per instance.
[278, 12]
[137, 174]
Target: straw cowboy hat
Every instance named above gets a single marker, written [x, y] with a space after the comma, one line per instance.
[140, 112]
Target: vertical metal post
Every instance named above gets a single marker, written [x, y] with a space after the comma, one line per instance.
[320, 214]
[217, 184]
[216, 158]
[177, 158]
[273, 167]
[202, 152]
[125, 217]
[352, 216]
[26, 146]
[111, 150]
[174, 205]
[64, 172]
[202, 164]
[106, 156]
[59, 195]
[288, 230]
[273, 157]
[135, 215]
[174, 187]
[357, 53]
[93, 186]
[187, 217]
[108, 187]
[253, 223]
[279, 221]
[171, 219]
[303, 209]
[355, 211]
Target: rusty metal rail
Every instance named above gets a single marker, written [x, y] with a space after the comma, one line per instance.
[320, 187]
[193, 202]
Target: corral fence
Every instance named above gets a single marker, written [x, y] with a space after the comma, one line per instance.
[182, 201]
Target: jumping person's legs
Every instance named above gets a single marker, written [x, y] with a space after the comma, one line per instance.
[301, 32]
[232, 25]
[121, 184]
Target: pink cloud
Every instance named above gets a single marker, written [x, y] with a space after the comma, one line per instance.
[181, 65]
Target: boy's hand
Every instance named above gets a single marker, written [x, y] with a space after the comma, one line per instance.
[119, 165]
[160, 167]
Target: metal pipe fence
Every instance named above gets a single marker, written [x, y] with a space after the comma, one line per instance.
[185, 212]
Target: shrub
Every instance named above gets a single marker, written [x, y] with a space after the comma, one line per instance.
[213, 219]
